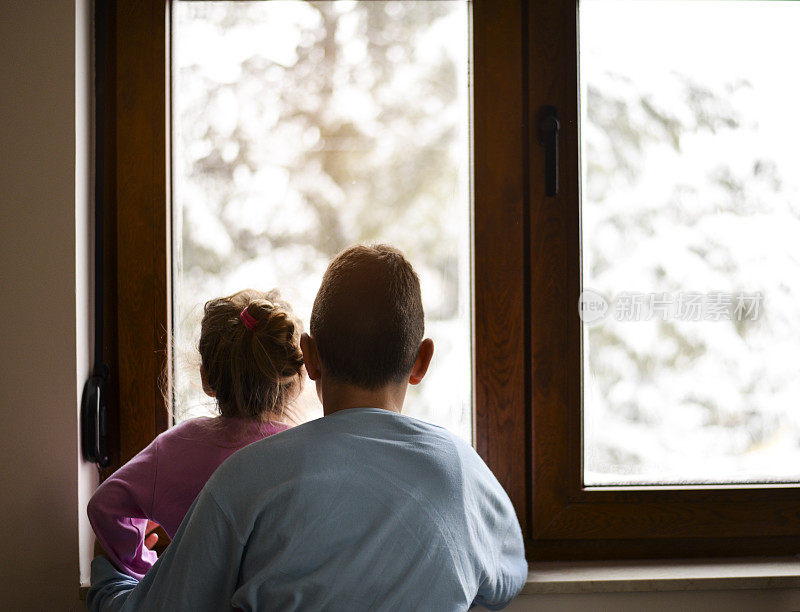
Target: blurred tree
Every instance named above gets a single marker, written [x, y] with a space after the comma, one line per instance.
[335, 135]
[680, 194]
[304, 127]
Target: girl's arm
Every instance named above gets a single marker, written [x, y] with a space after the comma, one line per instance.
[119, 509]
[199, 571]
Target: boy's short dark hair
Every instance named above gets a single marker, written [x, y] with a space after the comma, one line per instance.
[367, 319]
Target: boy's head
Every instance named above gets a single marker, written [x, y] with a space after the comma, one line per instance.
[367, 319]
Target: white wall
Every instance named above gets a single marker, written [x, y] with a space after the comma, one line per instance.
[84, 256]
[44, 317]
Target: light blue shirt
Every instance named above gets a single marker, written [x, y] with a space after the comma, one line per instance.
[363, 509]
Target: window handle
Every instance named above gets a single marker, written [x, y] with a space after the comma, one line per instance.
[548, 138]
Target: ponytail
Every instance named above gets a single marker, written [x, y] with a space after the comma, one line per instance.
[250, 350]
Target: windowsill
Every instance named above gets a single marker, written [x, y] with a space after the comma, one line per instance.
[678, 575]
[649, 576]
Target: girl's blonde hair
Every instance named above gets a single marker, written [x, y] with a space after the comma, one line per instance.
[254, 373]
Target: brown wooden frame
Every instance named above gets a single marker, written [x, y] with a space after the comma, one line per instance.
[138, 265]
[527, 336]
[500, 225]
[569, 520]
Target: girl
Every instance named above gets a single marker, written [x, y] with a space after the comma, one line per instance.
[252, 365]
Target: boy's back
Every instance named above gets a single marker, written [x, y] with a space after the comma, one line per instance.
[366, 509]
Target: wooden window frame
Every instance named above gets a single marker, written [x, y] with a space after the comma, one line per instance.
[137, 186]
[570, 520]
[527, 335]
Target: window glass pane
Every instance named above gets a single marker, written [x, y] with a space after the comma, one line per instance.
[301, 128]
[690, 226]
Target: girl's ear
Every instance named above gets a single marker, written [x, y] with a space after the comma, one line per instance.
[424, 356]
[206, 387]
[311, 357]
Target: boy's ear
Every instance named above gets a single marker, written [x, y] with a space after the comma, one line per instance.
[424, 356]
[310, 356]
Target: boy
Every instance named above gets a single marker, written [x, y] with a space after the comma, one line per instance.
[363, 509]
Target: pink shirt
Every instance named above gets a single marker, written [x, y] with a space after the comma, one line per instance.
[161, 482]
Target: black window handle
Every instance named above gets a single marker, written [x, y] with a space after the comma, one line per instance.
[548, 138]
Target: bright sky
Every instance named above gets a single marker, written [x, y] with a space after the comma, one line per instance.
[713, 41]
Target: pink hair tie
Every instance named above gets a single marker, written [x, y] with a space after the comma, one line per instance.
[250, 322]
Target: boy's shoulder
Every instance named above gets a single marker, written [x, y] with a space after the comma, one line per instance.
[344, 427]
[341, 439]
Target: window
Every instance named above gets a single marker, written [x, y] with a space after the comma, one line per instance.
[140, 184]
[689, 213]
[528, 342]
[572, 515]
